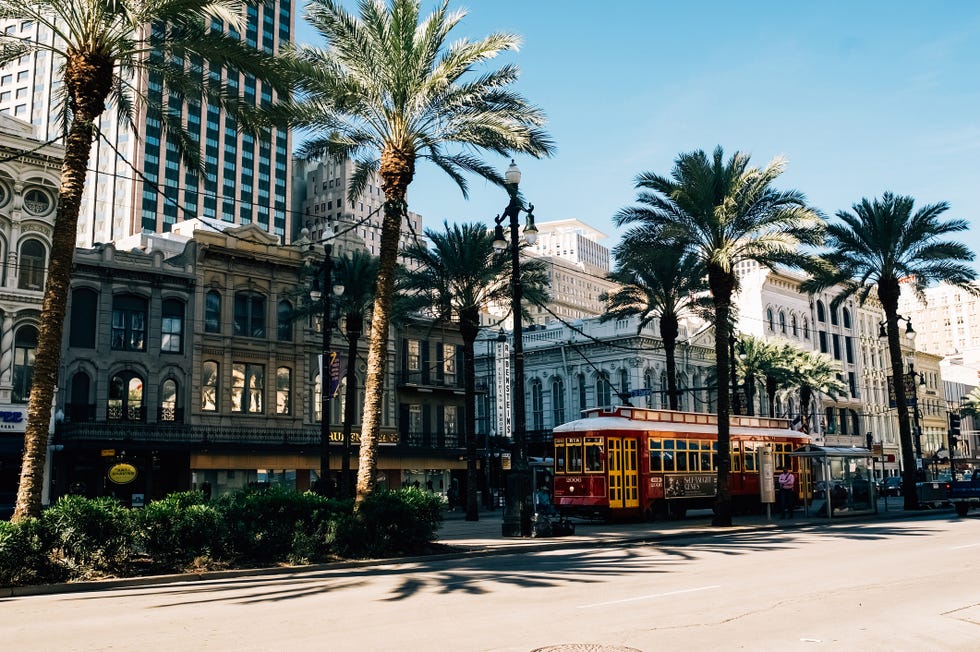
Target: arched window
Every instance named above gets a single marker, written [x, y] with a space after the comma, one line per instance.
[168, 400]
[624, 382]
[209, 386]
[821, 312]
[664, 400]
[782, 322]
[537, 405]
[603, 390]
[212, 312]
[25, 345]
[582, 399]
[126, 397]
[128, 323]
[770, 320]
[84, 318]
[284, 314]
[79, 408]
[32, 265]
[648, 385]
[846, 317]
[557, 401]
[283, 391]
[806, 328]
[249, 314]
[172, 326]
[833, 316]
[793, 326]
[247, 388]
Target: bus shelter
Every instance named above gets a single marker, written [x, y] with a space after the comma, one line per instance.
[840, 480]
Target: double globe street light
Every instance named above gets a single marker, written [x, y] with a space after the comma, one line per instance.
[518, 507]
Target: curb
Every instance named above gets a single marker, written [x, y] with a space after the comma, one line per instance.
[545, 545]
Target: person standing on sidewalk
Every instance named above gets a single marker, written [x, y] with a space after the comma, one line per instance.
[787, 494]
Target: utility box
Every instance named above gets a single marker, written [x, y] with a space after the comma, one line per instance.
[767, 473]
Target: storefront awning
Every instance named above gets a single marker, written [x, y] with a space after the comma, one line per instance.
[812, 450]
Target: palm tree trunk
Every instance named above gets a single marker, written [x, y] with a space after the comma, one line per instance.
[888, 293]
[354, 322]
[469, 328]
[771, 388]
[396, 172]
[806, 395]
[78, 147]
[722, 285]
[668, 333]
[750, 387]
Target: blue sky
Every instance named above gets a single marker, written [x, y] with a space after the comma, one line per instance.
[860, 97]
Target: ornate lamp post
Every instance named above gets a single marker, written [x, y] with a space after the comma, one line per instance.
[326, 359]
[910, 386]
[517, 511]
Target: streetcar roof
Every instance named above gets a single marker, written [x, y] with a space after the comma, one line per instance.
[622, 423]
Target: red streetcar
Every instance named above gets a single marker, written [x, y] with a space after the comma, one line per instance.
[628, 462]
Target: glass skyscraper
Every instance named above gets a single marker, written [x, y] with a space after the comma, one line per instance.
[246, 180]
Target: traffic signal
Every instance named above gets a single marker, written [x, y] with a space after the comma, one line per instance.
[954, 430]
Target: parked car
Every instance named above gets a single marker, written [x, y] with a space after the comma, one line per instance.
[892, 486]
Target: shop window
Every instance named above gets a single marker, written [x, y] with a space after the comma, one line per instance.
[247, 383]
[126, 398]
[209, 386]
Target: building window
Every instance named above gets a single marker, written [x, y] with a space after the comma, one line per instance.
[247, 382]
[624, 381]
[769, 319]
[821, 312]
[603, 389]
[846, 317]
[249, 314]
[450, 420]
[806, 328]
[557, 401]
[582, 401]
[782, 322]
[168, 400]
[537, 405]
[212, 312]
[84, 311]
[32, 264]
[664, 399]
[413, 356]
[209, 386]
[283, 391]
[25, 345]
[449, 364]
[793, 326]
[37, 202]
[78, 406]
[126, 397]
[172, 327]
[128, 323]
[415, 421]
[284, 315]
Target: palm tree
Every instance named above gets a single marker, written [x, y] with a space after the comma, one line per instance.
[783, 358]
[814, 372]
[457, 277]
[754, 361]
[387, 90]
[879, 244]
[725, 212]
[665, 282]
[356, 272]
[107, 50]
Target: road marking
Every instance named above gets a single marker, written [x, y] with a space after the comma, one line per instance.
[649, 597]
[969, 545]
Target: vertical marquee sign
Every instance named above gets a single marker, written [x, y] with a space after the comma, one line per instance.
[503, 393]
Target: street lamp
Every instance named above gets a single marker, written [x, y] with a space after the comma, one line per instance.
[517, 511]
[910, 385]
[326, 360]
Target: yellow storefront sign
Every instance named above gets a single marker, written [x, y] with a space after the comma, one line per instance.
[122, 473]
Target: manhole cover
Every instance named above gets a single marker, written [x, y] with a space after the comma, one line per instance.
[585, 647]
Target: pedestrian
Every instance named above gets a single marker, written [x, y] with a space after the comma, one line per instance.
[787, 494]
[452, 495]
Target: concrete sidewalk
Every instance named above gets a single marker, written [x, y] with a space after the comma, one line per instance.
[484, 536]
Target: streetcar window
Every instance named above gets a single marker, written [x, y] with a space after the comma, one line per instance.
[736, 456]
[656, 455]
[574, 458]
[669, 455]
[750, 456]
[706, 464]
[593, 454]
[681, 460]
[714, 456]
[559, 457]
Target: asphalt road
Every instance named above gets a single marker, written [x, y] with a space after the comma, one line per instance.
[913, 584]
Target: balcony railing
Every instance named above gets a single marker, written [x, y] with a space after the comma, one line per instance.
[428, 379]
[433, 440]
[84, 413]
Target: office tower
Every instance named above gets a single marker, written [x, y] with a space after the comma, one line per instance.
[247, 178]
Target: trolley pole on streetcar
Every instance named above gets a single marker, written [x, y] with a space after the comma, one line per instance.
[518, 507]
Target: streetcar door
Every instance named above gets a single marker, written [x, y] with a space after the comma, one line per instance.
[615, 459]
[624, 482]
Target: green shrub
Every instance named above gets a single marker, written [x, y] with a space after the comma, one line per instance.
[277, 525]
[388, 523]
[25, 553]
[91, 535]
[176, 530]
